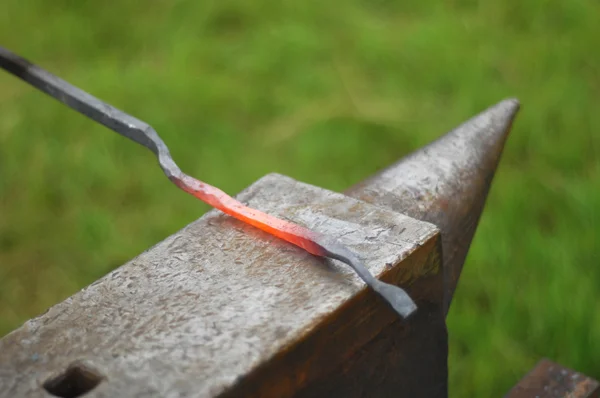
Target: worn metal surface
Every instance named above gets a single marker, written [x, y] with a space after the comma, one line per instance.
[407, 359]
[551, 380]
[446, 183]
[210, 312]
[142, 133]
[223, 308]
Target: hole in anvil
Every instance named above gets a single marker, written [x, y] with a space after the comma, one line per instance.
[75, 381]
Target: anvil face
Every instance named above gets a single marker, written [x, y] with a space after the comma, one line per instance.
[220, 304]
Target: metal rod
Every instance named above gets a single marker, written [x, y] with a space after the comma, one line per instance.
[142, 133]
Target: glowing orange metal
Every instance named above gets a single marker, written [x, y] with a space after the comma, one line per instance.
[290, 232]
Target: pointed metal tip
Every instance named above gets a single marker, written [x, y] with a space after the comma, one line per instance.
[446, 183]
[513, 103]
[505, 112]
[481, 134]
[508, 109]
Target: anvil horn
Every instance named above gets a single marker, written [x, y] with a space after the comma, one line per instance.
[446, 183]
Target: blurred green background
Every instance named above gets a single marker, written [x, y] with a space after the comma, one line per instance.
[327, 92]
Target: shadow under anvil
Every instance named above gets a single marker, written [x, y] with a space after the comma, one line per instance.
[446, 183]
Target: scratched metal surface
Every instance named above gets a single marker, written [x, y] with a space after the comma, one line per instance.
[446, 183]
[212, 302]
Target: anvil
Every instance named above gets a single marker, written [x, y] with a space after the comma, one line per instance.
[220, 299]
[221, 309]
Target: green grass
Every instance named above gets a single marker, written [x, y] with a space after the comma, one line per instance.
[327, 92]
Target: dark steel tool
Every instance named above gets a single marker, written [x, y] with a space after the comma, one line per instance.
[315, 243]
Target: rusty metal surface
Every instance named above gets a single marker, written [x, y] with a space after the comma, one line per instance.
[446, 183]
[220, 305]
[551, 380]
